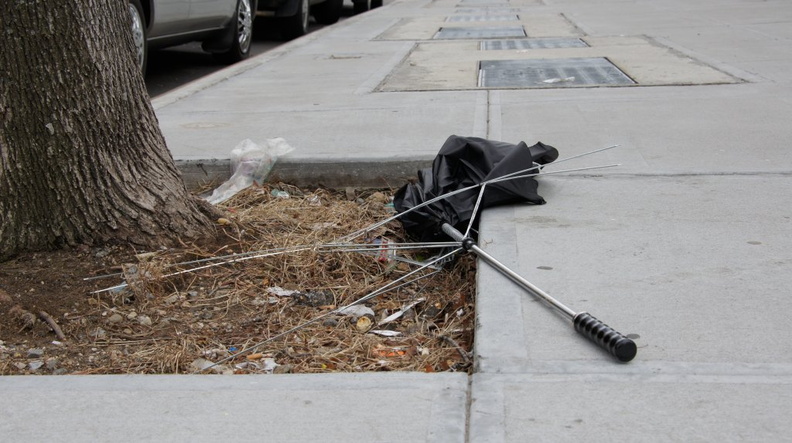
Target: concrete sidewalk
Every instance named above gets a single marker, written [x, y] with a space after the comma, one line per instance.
[685, 247]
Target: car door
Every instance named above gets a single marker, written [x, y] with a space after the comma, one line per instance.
[208, 14]
[169, 17]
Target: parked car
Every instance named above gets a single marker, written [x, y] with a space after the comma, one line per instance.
[360, 6]
[225, 27]
[292, 15]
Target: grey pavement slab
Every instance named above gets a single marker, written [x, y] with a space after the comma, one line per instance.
[385, 407]
[634, 408]
[685, 246]
[694, 267]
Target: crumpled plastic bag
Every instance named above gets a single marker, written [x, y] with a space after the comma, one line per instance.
[250, 163]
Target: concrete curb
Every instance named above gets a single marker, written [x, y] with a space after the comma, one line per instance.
[357, 173]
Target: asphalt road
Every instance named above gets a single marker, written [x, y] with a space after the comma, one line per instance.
[172, 67]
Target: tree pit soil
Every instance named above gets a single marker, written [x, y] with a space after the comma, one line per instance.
[265, 298]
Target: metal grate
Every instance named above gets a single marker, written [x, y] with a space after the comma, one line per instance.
[483, 32]
[483, 18]
[550, 73]
[533, 43]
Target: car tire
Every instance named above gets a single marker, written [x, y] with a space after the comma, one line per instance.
[242, 34]
[376, 4]
[296, 25]
[139, 33]
[361, 6]
[328, 12]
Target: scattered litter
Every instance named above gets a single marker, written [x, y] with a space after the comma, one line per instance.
[385, 333]
[383, 253]
[263, 365]
[397, 314]
[216, 353]
[389, 352]
[357, 311]
[250, 163]
[363, 324]
[277, 193]
[202, 364]
[280, 292]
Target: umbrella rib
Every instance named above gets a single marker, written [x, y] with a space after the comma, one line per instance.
[468, 188]
[475, 209]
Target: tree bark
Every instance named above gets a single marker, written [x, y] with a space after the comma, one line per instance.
[82, 158]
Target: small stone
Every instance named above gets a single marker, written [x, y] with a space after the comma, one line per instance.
[35, 353]
[20, 365]
[4, 297]
[35, 365]
[132, 315]
[330, 322]
[144, 320]
[51, 363]
[172, 299]
[98, 333]
[115, 318]
[282, 369]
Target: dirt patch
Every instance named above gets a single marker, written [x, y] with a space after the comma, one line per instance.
[265, 299]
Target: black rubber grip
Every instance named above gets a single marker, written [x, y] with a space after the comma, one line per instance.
[606, 337]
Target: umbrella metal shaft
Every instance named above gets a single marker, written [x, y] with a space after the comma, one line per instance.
[513, 276]
[590, 327]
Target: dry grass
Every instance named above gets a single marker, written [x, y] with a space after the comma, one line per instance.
[225, 312]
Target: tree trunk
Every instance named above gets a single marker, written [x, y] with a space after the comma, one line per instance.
[82, 158]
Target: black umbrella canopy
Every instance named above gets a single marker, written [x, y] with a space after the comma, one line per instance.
[463, 162]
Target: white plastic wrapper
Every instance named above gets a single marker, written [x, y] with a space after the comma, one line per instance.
[249, 163]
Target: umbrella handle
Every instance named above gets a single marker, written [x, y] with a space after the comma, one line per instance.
[604, 336]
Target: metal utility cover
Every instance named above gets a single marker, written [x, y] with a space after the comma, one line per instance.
[483, 18]
[550, 73]
[483, 32]
[534, 43]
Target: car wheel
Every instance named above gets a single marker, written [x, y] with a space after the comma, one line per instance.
[376, 3]
[242, 34]
[139, 33]
[328, 12]
[361, 6]
[296, 25]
